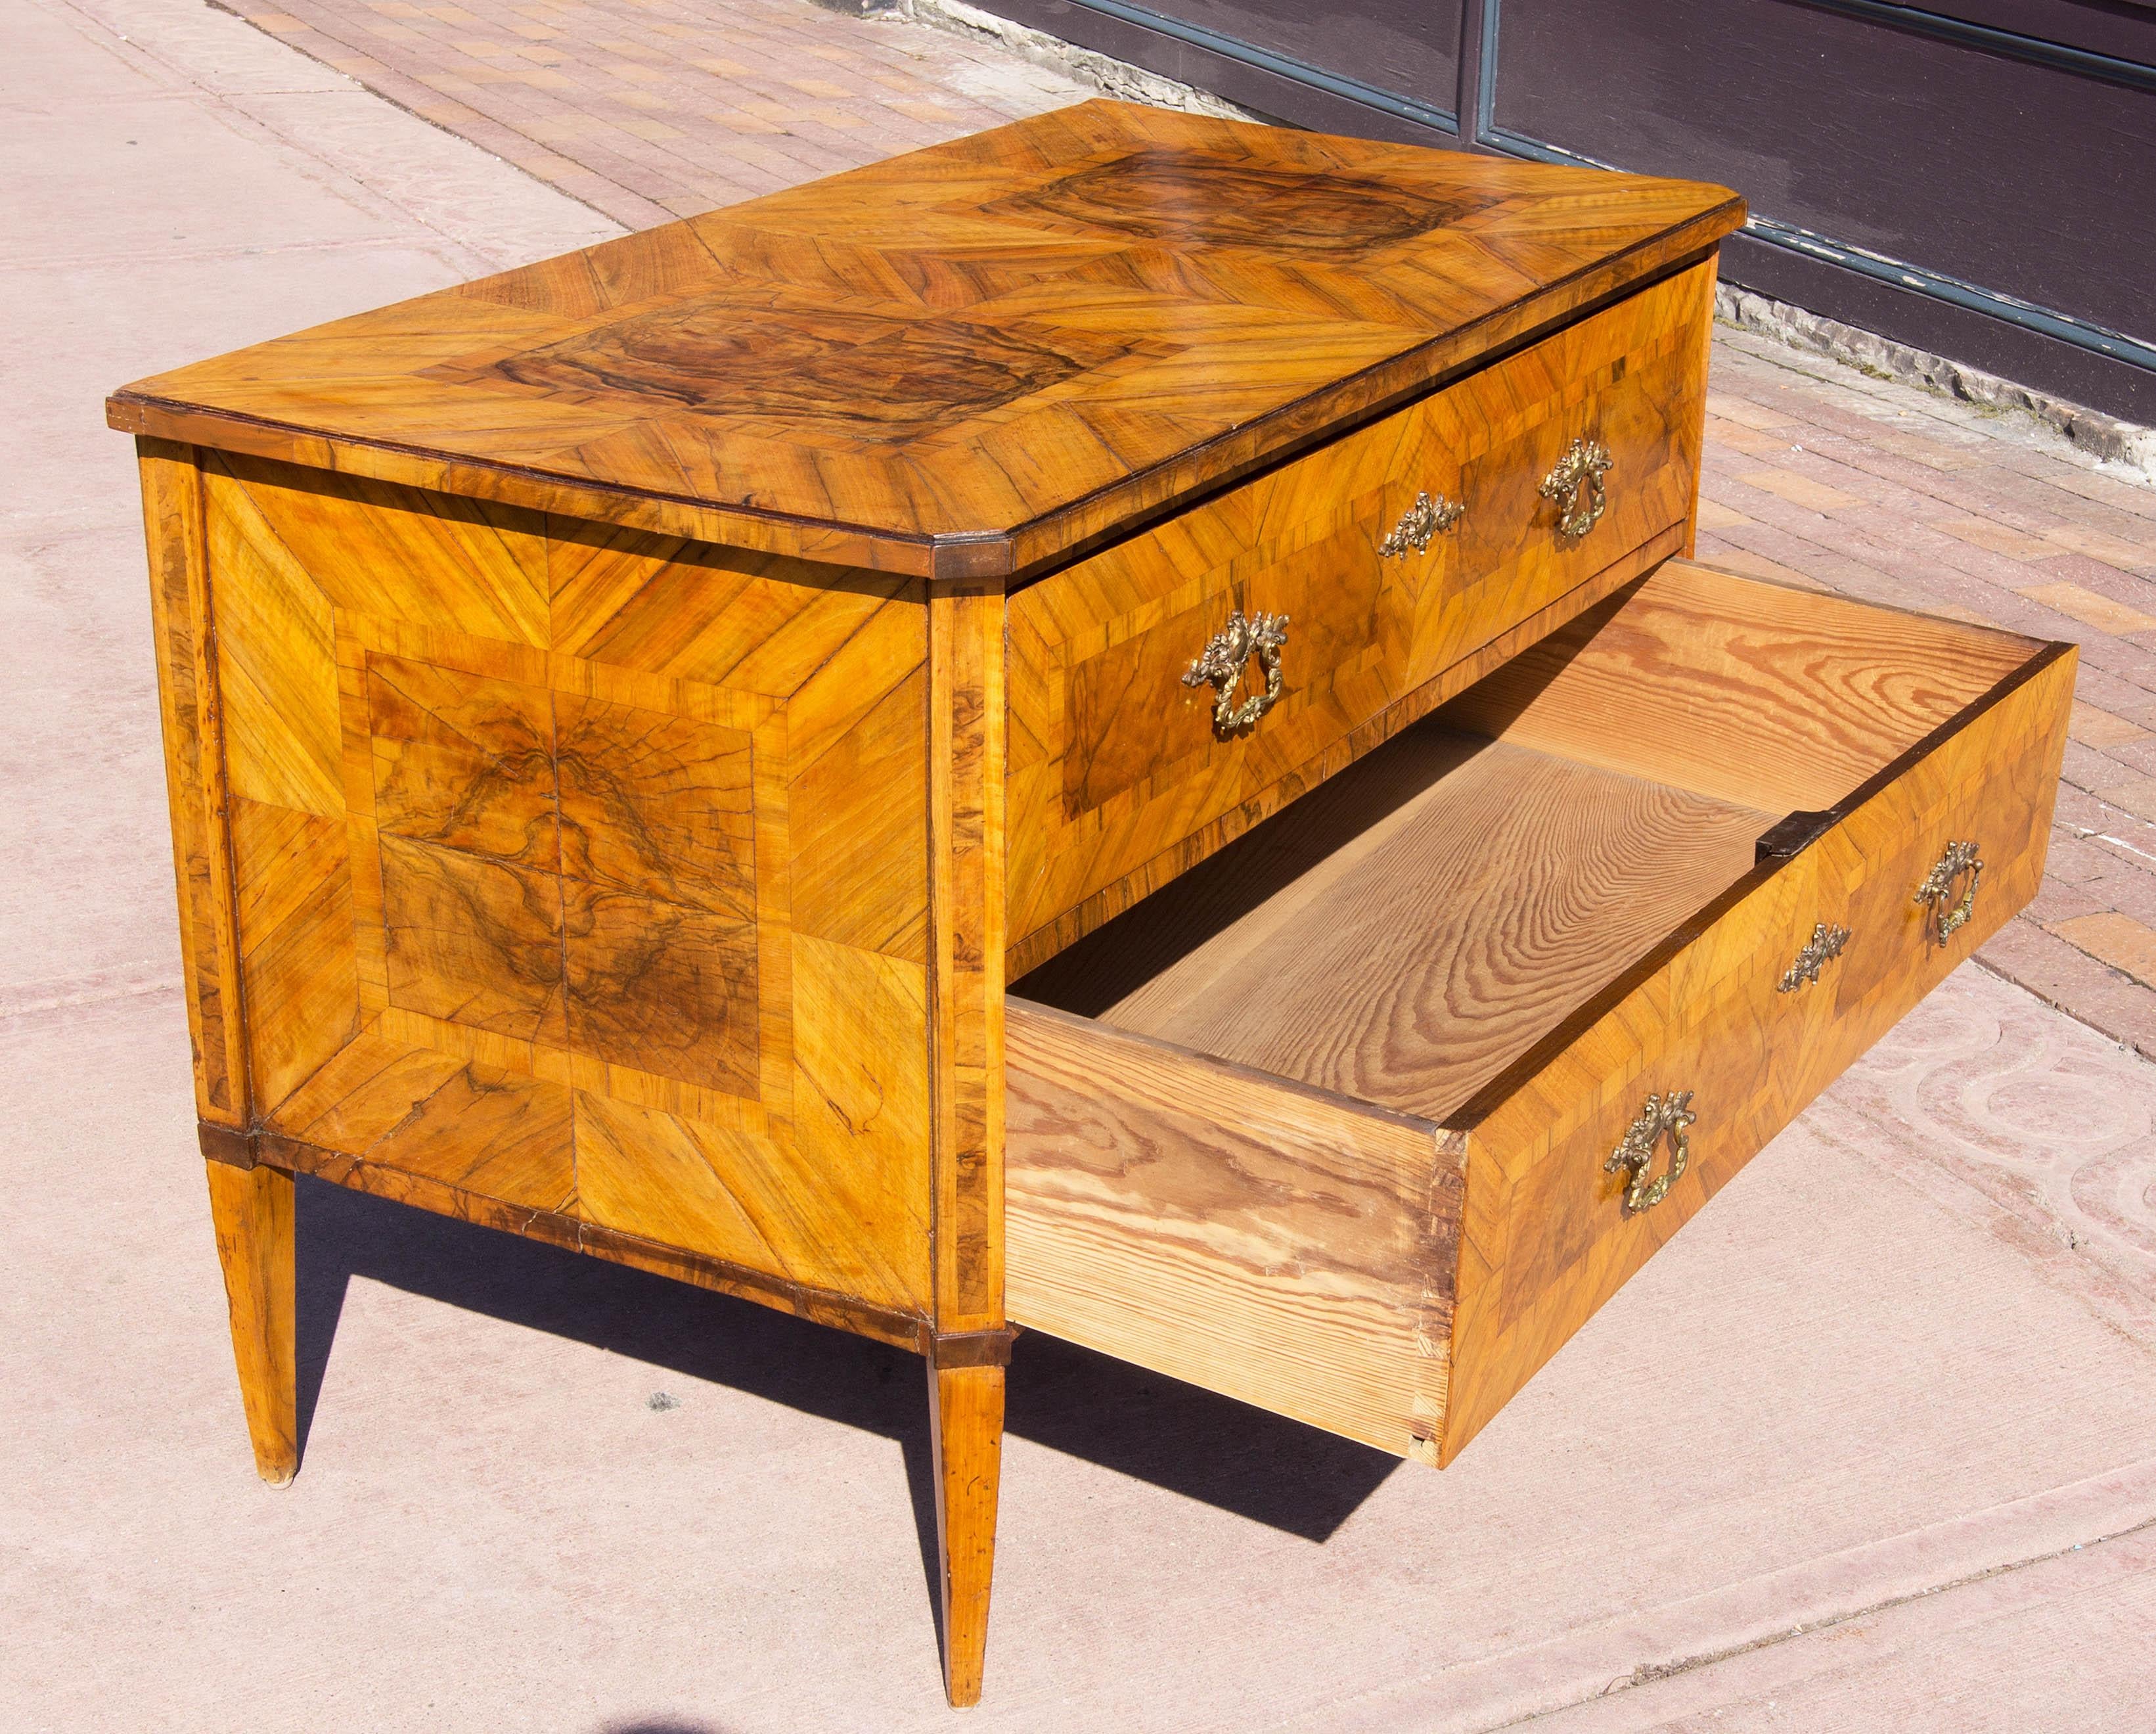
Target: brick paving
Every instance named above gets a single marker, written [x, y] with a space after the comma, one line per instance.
[1815, 472]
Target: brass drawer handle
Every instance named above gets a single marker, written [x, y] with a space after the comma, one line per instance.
[1419, 522]
[1938, 887]
[1669, 1114]
[1575, 484]
[1821, 949]
[1222, 661]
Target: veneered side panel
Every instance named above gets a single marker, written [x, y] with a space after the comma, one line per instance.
[574, 875]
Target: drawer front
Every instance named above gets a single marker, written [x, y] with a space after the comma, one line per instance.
[1549, 1234]
[1628, 385]
[1122, 775]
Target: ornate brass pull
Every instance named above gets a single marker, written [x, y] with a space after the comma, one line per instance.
[1420, 522]
[1222, 661]
[1821, 949]
[1938, 885]
[1672, 1114]
[1575, 484]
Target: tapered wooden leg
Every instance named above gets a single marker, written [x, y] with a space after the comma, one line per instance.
[252, 1208]
[966, 1415]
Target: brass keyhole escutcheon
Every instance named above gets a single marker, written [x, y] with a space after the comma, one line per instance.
[1426, 518]
[1664, 1116]
[1960, 865]
[1576, 485]
[1225, 656]
[1821, 949]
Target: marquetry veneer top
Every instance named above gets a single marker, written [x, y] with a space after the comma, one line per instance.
[962, 362]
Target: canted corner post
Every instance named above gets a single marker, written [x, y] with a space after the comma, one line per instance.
[1695, 431]
[967, 1340]
[251, 1207]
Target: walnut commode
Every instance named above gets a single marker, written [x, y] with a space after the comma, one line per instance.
[627, 718]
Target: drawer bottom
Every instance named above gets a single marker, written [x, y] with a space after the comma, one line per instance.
[1483, 891]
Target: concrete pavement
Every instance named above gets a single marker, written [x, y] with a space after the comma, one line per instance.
[648, 109]
[179, 185]
[1869, 1448]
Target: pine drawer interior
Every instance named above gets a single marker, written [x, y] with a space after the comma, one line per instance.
[1663, 801]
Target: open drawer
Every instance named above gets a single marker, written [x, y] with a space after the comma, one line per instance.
[1362, 1118]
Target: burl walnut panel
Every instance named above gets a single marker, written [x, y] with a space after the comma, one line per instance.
[517, 807]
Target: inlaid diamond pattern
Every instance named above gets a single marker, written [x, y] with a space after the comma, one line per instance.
[514, 817]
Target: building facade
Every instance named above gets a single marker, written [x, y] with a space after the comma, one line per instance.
[1973, 178]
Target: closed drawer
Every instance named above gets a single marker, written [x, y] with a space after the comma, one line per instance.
[1122, 773]
[1358, 1121]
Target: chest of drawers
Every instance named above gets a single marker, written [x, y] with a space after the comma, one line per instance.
[1101, 728]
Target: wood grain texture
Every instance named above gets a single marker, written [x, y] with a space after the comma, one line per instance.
[966, 1428]
[1546, 1240]
[845, 1312]
[964, 362]
[515, 868]
[1281, 1245]
[967, 734]
[1402, 934]
[251, 1210]
[966, 876]
[1596, 929]
[298, 971]
[1763, 694]
[189, 710]
[1043, 942]
[1115, 762]
[463, 762]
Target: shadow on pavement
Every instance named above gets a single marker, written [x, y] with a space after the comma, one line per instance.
[666, 1725]
[1211, 1449]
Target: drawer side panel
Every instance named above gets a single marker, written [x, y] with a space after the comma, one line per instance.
[1546, 1237]
[1278, 1245]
